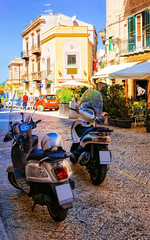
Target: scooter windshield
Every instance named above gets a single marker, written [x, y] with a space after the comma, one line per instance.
[92, 99]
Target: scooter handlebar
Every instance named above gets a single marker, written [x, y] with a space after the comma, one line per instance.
[37, 121]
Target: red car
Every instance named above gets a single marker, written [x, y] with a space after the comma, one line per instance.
[46, 102]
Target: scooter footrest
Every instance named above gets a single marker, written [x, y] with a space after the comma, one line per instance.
[23, 184]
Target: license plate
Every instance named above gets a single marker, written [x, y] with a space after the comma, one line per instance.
[104, 157]
[64, 194]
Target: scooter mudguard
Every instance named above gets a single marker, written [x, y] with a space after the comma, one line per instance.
[10, 168]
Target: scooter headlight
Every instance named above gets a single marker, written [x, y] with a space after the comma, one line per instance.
[42, 173]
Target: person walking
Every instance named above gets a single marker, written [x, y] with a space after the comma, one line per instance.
[25, 100]
[31, 100]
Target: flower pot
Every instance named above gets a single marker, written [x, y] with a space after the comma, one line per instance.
[148, 128]
[123, 123]
[64, 110]
[112, 122]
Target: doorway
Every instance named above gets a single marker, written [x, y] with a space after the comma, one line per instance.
[142, 84]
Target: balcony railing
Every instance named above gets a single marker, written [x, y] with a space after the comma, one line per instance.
[130, 47]
[24, 78]
[36, 50]
[36, 76]
[25, 55]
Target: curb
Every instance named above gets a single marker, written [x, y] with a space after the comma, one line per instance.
[3, 234]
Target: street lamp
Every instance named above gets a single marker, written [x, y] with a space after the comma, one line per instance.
[102, 33]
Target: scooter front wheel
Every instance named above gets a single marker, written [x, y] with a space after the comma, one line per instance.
[57, 213]
[98, 174]
[12, 180]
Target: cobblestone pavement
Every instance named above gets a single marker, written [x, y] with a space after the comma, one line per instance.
[116, 209]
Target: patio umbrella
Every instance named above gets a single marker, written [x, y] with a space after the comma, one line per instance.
[140, 71]
[72, 84]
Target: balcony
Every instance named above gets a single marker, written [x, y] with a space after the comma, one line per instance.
[129, 48]
[36, 50]
[36, 76]
[25, 55]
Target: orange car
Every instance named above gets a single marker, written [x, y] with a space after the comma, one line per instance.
[46, 102]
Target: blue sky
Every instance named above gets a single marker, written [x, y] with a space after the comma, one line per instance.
[16, 15]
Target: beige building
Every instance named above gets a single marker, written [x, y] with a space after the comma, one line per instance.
[57, 48]
[128, 38]
[15, 71]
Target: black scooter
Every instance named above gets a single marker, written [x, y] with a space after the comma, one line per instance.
[90, 142]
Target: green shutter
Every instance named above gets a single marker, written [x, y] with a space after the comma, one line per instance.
[131, 34]
[111, 45]
[147, 27]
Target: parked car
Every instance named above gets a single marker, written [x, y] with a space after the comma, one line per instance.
[46, 102]
[1, 104]
[8, 103]
[18, 103]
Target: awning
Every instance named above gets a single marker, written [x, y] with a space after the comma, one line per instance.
[104, 73]
[72, 84]
[140, 71]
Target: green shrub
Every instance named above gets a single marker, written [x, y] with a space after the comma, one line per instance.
[64, 95]
[115, 102]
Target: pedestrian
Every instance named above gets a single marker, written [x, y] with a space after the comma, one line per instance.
[140, 91]
[25, 100]
[31, 100]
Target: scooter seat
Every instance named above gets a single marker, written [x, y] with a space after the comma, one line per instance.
[36, 154]
[91, 129]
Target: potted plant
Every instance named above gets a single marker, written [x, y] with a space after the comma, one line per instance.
[146, 117]
[116, 106]
[64, 96]
[124, 111]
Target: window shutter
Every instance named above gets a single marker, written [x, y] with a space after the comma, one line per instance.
[131, 34]
[147, 27]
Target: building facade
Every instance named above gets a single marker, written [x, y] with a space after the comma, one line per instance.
[57, 48]
[128, 38]
[15, 71]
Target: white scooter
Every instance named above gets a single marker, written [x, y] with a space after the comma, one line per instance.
[43, 173]
[90, 142]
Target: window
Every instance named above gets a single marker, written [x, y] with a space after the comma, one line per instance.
[51, 97]
[111, 45]
[131, 34]
[147, 27]
[33, 66]
[27, 48]
[72, 63]
[38, 41]
[48, 66]
[32, 41]
[139, 31]
[71, 60]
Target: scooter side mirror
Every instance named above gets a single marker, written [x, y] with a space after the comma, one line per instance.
[8, 137]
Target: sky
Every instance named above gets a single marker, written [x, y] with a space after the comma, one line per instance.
[16, 15]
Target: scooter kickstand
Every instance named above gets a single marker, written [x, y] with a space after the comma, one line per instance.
[33, 206]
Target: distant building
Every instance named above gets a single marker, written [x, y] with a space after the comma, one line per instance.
[15, 71]
[57, 48]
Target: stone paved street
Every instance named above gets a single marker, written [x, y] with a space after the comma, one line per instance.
[119, 208]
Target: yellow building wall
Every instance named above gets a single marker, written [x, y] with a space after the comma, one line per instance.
[58, 38]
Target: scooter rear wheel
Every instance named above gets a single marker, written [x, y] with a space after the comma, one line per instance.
[57, 213]
[12, 180]
[98, 174]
